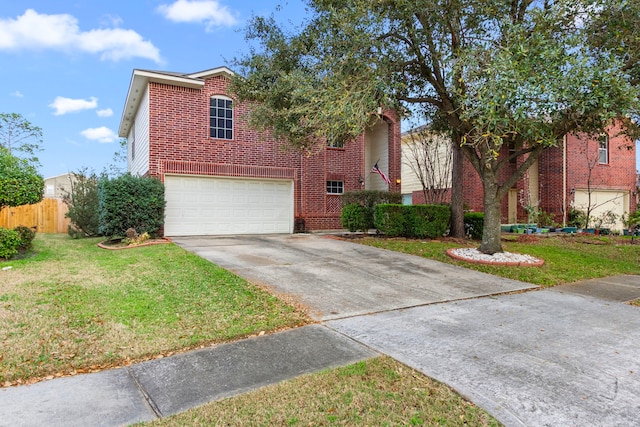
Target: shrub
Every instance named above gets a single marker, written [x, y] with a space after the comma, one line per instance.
[130, 202]
[9, 243]
[26, 237]
[390, 219]
[82, 202]
[429, 221]
[577, 218]
[474, 224]
[369, 199]
[354, 217]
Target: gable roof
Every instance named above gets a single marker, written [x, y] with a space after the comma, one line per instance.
[141, 78]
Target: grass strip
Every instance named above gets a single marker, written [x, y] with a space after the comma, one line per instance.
[567, 258]
[376, 392]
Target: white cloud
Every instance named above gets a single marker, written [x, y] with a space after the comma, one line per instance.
[102, 134]
[61, 32]
[17, 94]
[64, 105]
[107, 112]
[209, 12]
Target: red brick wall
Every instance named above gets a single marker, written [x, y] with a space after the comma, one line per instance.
[179, 132]
[618, 174]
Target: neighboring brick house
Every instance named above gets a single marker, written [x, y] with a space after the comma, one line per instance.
[565, 177]
[223, 177]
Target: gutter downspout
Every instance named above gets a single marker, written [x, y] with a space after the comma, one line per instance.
[564, 181]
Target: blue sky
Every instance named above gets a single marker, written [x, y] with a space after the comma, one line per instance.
[65, 65]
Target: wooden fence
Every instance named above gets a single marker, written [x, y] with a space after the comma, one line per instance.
[47, 216]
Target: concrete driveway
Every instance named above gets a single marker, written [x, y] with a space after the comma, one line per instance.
[548, 358]
[336, 279]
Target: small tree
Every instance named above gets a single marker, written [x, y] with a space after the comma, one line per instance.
[83, 204]
[19, 136]
[429, 156]
[20, 183]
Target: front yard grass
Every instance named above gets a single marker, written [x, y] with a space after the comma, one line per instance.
[376, 392]
[74, 307]
[567, 258]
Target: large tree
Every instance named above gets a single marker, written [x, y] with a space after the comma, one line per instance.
[20, 183]
[19, 136]
[517, 73]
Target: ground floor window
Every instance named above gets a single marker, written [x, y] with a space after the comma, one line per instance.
[335, 187]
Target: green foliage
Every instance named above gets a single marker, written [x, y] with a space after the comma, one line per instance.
[9, 243]
[355, 217]
[412, 221]
[362, 219]
[390, 219]
[545, 219]
[130, 202]
[20, 183]
[429, 221]
[82, 202]
[370, 198]
[474, 224]
[26, 237]
[577, 218]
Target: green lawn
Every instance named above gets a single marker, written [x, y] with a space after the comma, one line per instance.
[567, 258]
[74, 307]
[378, 392]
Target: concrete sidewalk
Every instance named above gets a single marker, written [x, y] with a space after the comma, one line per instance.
[174, 384]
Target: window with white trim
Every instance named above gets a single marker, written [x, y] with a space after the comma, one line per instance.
[221, 117]
[335, 187]
[603, 150]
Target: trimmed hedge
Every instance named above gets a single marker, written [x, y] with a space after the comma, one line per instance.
[354, 217]
[361, 218]
[412, 221]
[130, 202]
[26, 235]
[430, 221]
[474, 224]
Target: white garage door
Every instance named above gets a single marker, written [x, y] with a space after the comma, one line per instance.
[198, 205]
[603, 201]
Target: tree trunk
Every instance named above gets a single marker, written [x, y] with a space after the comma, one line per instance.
[457, 202]
[491, 242]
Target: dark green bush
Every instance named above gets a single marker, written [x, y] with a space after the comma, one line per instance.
[474, 224]
[82, 201]
[354, 217]
[369, 199]
[429, 221]
[26, 237]
[390, 219]
[130, 202]
[9, 243]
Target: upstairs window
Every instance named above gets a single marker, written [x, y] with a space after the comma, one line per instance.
[221, 118]
[603, 150]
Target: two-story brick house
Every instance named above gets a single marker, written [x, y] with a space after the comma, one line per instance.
[223, 177]
[580, 172]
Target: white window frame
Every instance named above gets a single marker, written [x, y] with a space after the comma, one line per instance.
[335, 187]
[603, 150]
[223, 127]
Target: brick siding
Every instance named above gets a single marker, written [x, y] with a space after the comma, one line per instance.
[179, 142]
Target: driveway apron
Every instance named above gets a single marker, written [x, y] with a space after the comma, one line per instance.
[546, 358]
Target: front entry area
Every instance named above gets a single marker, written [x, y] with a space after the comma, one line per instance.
[205, 205]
